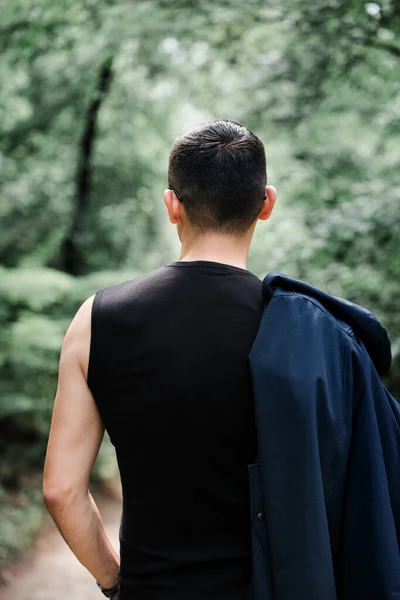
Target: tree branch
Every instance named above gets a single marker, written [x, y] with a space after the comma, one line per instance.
[380, 45]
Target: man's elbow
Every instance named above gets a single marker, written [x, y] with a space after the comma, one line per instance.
[59, 495]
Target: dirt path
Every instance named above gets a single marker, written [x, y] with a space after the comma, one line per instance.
[50, 571]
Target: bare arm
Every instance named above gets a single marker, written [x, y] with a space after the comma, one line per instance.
[76, 433]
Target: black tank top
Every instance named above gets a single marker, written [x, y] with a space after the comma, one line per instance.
[169, 373]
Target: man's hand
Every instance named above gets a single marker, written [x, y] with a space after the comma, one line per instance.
[76, 434]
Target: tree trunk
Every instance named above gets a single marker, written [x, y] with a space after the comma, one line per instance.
[71, 260]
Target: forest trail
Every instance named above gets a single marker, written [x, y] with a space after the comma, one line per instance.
[50, 571]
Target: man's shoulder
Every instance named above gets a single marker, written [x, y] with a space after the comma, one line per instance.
[320, 309]
[310, 309]
[127, 289]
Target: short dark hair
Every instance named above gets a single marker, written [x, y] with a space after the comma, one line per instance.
[219, 170]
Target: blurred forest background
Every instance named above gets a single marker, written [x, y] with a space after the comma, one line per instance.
[93, 92]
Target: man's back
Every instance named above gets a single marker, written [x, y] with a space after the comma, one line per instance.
[162, 363]
[169, 373]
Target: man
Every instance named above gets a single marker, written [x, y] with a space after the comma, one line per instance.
[161, 363]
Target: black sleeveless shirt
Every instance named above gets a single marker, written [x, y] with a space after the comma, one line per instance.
[169, 373]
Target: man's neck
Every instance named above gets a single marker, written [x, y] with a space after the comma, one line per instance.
[229, 250]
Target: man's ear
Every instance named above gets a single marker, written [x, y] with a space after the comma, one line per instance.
[173, 206]
[269, 202]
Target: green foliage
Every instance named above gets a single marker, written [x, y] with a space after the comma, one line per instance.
[21, 513]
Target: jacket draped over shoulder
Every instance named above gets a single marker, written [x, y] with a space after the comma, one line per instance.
[325, 491]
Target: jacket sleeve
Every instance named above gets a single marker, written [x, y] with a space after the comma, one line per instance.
[299, 363]
[369, 565]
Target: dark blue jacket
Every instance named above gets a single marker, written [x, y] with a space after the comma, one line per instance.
[325, 491]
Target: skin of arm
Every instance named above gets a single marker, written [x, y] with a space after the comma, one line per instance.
[76, 433]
